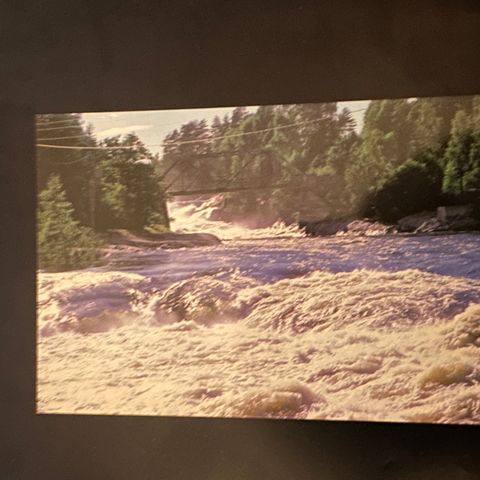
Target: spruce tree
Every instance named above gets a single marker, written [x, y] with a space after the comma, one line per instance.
[457, 160]
[75, 167]
[62, 243]
[131, 194]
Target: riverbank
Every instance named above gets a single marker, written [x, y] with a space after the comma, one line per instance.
[441, 222]
[166, 240]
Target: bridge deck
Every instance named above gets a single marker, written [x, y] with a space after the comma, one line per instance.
[180, 193]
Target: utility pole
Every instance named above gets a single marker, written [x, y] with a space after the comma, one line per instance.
[93, 184]
[165, 212]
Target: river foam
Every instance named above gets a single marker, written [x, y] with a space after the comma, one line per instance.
[268, 324]
[190, 217]
[316, 346]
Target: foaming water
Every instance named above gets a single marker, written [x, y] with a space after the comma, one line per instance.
[196, 217]
[381, 329]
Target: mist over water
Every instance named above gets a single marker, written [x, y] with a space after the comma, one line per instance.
[267, 324]
[193, 217]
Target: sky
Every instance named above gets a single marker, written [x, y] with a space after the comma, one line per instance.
[153, 125]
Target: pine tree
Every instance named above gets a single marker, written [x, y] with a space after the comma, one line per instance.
[62, 243]
[131, 194]
[457, 160]
[391, 118]
[76, 168]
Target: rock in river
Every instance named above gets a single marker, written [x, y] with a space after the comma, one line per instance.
[162, 240]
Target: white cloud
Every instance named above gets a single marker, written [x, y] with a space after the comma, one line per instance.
[111, 132]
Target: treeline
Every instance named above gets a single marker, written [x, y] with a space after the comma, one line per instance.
[411, 155]
[290, 161]
[427, 152]
[276, 146]
[85, 191]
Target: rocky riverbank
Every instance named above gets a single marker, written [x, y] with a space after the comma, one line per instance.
[166, 240]
[346, 227]
[443, 220]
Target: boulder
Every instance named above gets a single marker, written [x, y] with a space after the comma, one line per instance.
[323, 227]
[464, 224]
[445, 219]
[419, 222]
[345, 227]
[162, 240]
[451, 213]
[369, 227]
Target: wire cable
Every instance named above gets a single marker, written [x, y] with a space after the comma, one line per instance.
[59, 128]
[184, 142]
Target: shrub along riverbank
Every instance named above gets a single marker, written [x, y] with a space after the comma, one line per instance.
[109, 184]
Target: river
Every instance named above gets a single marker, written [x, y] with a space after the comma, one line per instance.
[267, 324]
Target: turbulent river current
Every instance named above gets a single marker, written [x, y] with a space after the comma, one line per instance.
[267, 324]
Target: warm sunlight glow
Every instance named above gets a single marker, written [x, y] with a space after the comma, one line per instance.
[316, 261]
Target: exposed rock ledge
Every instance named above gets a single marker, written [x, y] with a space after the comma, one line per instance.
[346, 227]
[446, 219]
[165, 240]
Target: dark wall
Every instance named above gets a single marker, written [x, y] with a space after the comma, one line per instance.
[57, 55]
[116, 55]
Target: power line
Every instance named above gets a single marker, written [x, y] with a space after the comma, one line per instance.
[183, 142]
[54, 122]
[73, 147]
[58, 128]
[242, 134]
[64, 138]
[71, 162]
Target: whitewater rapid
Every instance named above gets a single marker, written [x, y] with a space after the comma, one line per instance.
[267, 324]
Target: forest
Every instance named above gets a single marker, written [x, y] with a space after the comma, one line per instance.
[410, 155]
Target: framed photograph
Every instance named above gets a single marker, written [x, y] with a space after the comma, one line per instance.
[302, 261]
[240, 240]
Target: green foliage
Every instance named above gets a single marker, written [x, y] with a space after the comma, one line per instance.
[369, 167]
[117, 188]
[413, 187]
[75, 168]
[475, 121]
[438, 133]
[62, 243]
[131, 194]
[287, 161]
[459, 159]
[323, 162]
[247, 150]
[390, 119]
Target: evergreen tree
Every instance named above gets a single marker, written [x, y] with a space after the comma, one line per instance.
[458, 158]
[390, 117]
[476, 114]
[342, 153]
[76, 168]
[131, 193]
[370, 166]
[185, 156]
[432, 119]
[306, 147]
[62, 243]
[238, 115]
